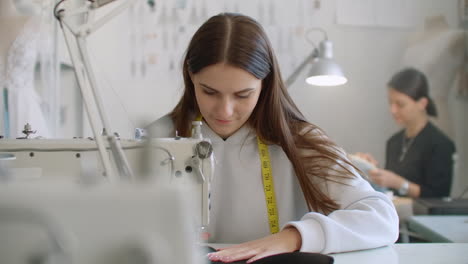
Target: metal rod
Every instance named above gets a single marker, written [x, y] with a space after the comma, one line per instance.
[299, 69]
[87, 99]
[106, 18]
[120, 160]
[88, 85]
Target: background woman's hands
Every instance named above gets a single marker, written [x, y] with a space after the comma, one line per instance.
[367, 157]
[287, 240]
[381, 177]
[386, 178]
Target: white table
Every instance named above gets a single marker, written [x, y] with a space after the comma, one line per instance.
[440, 228]
[427, 253]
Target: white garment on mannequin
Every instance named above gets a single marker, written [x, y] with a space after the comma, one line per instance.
[438, 53]
[17, 64]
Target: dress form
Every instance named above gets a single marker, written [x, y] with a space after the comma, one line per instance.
[11, 24]
[18, 54]
[438, 52]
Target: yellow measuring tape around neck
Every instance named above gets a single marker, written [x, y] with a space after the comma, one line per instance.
[268, 186]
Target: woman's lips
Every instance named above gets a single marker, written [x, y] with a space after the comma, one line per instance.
[224, 122]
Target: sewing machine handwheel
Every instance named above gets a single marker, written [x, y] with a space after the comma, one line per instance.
[204, 149]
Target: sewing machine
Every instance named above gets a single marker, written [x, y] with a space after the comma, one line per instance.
[177, 162]
[104, 161]
[124, 223]
[187, 161]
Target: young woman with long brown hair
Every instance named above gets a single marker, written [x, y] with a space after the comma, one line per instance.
[232, 79]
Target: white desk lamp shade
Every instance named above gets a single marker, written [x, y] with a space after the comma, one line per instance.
[324, 70]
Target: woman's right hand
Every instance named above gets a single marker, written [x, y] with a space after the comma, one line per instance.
[287, 240]
[367, 157]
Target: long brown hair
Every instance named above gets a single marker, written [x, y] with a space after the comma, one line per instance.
[240, 41]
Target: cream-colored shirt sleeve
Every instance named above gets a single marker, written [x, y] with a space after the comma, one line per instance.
[365, 218]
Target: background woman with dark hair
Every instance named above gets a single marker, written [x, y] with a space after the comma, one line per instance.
[232, 80]
[419, 157]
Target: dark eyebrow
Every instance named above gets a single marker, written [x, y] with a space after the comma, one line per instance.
[238, 92]
[206, 86]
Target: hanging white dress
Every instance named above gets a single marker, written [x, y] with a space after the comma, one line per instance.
[17, 76]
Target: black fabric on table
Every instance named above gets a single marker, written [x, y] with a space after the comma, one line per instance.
[286, 258]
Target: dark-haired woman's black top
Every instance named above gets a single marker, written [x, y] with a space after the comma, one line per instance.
[428, 160]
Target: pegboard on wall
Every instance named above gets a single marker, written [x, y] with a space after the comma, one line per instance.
[139, 53]
[158, 37]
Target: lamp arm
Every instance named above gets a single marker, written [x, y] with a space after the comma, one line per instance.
[120, 160]
[91, 97]
[109, 16]
[313, 30]
[90, 27]
[293, 76]
[85, 87]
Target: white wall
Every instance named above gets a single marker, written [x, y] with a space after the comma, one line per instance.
[355, 115]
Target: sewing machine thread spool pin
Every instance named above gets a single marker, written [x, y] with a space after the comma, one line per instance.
[196, 130]
[177, 137]
[27, 131]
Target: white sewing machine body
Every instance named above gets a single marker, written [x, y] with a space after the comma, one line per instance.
[102, 224]
[54, 164]
[66, 160]
[175, 161]
[190, 162]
